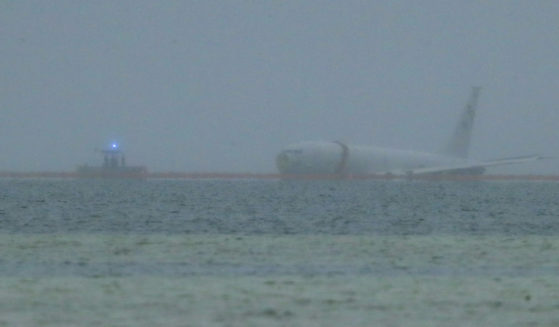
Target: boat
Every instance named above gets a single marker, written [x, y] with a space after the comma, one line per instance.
[114, 166]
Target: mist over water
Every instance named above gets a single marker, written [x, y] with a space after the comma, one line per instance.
[215, 86]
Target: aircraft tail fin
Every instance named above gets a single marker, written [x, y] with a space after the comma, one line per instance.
[459, 145]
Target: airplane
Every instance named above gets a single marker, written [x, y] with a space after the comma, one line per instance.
[324, 158]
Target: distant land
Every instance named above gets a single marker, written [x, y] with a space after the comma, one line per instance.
[225, 175]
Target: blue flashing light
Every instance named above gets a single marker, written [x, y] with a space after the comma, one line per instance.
[114, 145]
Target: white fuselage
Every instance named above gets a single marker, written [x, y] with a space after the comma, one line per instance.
[337, 158]
[321, 157]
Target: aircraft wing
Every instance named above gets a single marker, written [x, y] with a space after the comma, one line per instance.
[471, 166]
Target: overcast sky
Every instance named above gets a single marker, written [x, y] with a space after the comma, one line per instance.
[224, 85]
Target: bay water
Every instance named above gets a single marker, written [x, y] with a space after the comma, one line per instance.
[278, 253]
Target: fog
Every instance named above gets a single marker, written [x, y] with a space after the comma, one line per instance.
[224, 85]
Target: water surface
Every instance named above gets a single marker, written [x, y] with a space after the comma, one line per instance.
[277, 253]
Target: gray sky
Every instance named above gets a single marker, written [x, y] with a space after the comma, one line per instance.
[224, 85]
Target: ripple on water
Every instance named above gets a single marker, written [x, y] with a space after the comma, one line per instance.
[280, 207]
